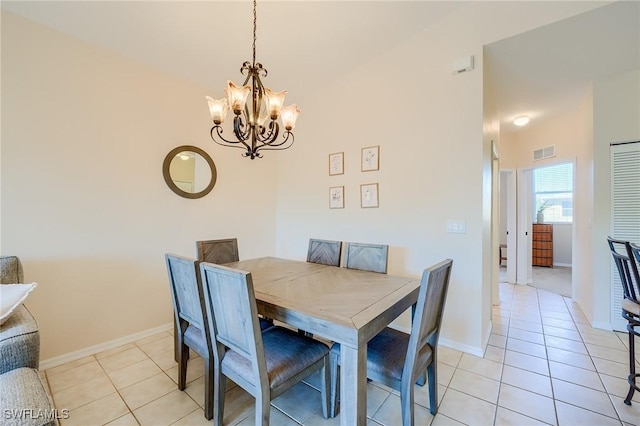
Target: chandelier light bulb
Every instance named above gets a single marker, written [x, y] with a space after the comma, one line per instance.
[262, 117]
[289, 116]
[237, 96]
[274, 102]
[218, 109]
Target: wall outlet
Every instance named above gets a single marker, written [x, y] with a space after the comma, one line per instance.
[456, 227]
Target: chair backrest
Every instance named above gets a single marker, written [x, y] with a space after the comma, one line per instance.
[633, 250]
[428, 315]
[233, 315]
[10, 270]
[186, 290]
[218, 251]
[324, 251]
[367, 257]
[622, 253]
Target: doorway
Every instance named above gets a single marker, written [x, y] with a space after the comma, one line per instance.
[548, 190]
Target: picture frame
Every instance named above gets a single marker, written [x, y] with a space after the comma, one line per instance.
[336, 163]
[336, 197]
[369, 195]
[370, 158]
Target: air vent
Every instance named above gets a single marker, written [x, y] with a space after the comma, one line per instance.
[546, 152]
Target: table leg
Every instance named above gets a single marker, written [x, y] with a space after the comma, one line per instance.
[353, 385]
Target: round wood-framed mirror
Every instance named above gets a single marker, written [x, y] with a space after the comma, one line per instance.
[189, 171]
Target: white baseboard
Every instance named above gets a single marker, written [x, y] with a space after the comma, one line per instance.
[566, 265]
[602, 325]
[453, 344]
[92, 350]
[472, 350]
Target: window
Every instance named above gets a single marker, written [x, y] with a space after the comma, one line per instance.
[553, 193]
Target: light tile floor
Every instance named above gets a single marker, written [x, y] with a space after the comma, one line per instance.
[544, 365]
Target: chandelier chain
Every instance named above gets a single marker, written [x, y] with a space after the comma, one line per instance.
[255, 20]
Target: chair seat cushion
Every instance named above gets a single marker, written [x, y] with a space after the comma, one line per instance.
[194, 338]
[631, 307]
[386, 353]
[286, 353]
[24, 396]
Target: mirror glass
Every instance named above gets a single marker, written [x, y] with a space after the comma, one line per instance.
[189, 171]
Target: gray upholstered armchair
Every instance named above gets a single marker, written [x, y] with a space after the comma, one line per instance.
[19, 336]
[23, 400]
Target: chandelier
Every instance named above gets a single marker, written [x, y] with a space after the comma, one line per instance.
[254, 123]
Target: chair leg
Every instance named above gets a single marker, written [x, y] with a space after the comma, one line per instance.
[335, 384]
[406, 404]
[208, 388]
[263, 409]
[219, 388]
[176, 343]
[632, 363]
[324, 391]
[432, 374]
[183, 357]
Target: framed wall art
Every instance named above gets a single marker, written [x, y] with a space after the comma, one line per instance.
[336, 197]
[336, 163]
[370, 159]
[369, 195]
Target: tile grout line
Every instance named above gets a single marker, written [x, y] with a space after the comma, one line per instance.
[609, 395]
[546, 351]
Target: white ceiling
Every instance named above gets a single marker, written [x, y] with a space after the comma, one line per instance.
[547, 71]
[542, 72]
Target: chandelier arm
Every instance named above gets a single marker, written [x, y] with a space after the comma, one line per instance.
[239, 125]
[232, 144]
[274, 131]
[277, 147]
[265, 136]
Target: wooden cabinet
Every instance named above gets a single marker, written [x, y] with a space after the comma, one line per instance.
[542, 245]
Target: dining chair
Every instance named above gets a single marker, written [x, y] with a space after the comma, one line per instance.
[191, 326]
[397, 359]
[218, 251]
[367, 257]
[264, 364]
[325, 252]
[626, 256]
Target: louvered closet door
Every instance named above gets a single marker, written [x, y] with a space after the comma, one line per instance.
[625, 212]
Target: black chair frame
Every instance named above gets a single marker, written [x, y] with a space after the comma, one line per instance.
[627, 263]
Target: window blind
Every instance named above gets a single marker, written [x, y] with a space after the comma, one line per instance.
[553, 192]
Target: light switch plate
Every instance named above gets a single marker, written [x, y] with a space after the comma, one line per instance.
[456, 227]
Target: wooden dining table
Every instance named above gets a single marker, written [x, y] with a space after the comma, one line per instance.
[343, 305]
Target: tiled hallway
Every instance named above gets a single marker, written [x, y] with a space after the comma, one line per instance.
[544, 365]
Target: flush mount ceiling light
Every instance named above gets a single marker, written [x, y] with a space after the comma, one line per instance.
[522, 120]
[254, 125]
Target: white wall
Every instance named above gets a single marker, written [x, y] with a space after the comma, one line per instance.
[84, 204]
[616, 119]
[562, 241]
[435, 164]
